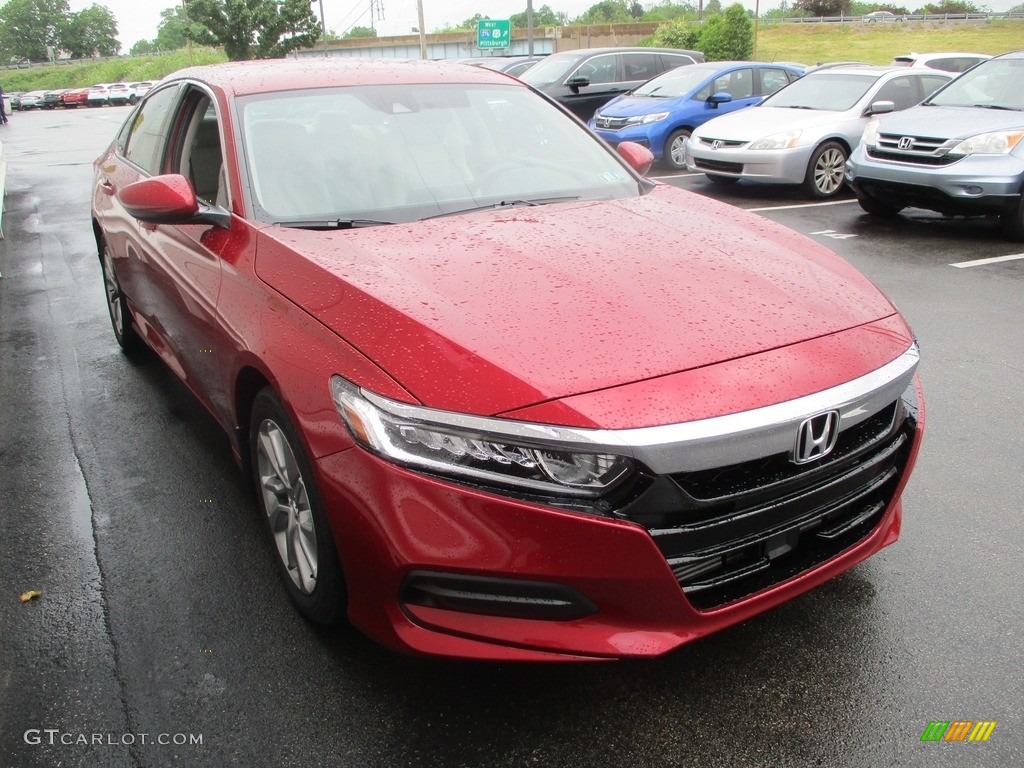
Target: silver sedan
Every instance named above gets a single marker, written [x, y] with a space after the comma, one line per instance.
[804, 133]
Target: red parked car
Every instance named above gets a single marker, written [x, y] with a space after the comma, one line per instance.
[485, 412]
[74, 98]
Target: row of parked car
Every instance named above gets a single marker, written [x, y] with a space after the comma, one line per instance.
[101, 94]
[956, 146]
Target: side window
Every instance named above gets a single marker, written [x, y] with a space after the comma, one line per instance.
[930, 84]
[640, 66]
[201, 156]
[673, 60]
[947, 65]
[600, 69]
[772, 79]
[148, 135]
[738, 84]
[901, 91]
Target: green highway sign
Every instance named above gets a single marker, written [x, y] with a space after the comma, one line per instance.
[493, 33]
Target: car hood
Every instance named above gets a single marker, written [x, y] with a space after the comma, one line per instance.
[497, 310]
[630, 106]
[950, 122]
[751, 124]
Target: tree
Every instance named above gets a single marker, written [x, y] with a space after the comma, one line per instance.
[680, 33]
[92, 32]
[542, 17]
[821, 8]
[360, 32]
[727, 36]
[30, 29]
[606, 12]
[949, 6]
[669, 11]
[711, 7]
[253, 29]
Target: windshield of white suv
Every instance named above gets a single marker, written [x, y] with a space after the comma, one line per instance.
[828, 91]
[994, 84]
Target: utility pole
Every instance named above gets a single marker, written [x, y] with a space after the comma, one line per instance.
[529, 26]
[323, 26]
[423, 29]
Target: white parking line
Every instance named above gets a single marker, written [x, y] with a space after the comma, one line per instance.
[801, 205]
[983, 262]
[676, 176]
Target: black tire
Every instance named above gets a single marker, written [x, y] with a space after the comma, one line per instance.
[297, 529]
[120, 316]
[878, 207]
[826, 170]
[1012, 223]
[722, 181]
[672, 156]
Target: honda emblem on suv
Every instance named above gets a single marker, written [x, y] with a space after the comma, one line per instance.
[906, 142]
[716, 144]
[816, 437]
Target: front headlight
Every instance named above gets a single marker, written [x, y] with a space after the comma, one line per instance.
[783, 140]
[870, 136]
[645, 119]
[518, 455]
[995, 143]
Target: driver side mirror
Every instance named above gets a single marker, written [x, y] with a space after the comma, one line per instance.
[637, 156]
[578, 81]
[170, 199]
[881, 108]
[719, 98]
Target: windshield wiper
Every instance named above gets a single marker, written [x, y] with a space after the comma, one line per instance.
[798, 106]
[995, 106]
[511, 203]
[331, 223]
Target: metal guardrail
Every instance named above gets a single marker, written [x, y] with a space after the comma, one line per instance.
[901, 18]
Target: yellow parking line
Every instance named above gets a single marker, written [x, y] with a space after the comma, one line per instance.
[983, 262]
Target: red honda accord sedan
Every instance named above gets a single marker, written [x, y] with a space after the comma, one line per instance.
[500, 396]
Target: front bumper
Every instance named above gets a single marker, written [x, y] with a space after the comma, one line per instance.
[624, 595]
[638, 134]
[977, 184]
[776, 166]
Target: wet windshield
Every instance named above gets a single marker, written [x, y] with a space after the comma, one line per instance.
[829, 91]
[676, 82]
[407, 152]
[997, 84]
[553, 69]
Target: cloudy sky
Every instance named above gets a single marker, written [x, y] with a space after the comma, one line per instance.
[138, 19]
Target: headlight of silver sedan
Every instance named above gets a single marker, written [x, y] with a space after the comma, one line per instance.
[518, 455]
[783, 140]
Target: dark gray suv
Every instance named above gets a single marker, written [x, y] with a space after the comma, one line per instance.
[589, 78]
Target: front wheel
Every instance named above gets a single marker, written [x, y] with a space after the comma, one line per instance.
[826, 170]
[1012, 223]
[675, 149]
[301, 538]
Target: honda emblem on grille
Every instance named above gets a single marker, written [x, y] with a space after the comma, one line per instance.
[906, 142]
[816, 437]
[716, 144]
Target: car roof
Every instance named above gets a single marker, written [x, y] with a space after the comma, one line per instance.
[242, 78]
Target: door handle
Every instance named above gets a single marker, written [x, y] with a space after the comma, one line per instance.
[107, 188]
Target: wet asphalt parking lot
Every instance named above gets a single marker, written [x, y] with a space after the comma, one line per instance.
[161, 617]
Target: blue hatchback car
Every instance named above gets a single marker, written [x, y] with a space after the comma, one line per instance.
[662, 113]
